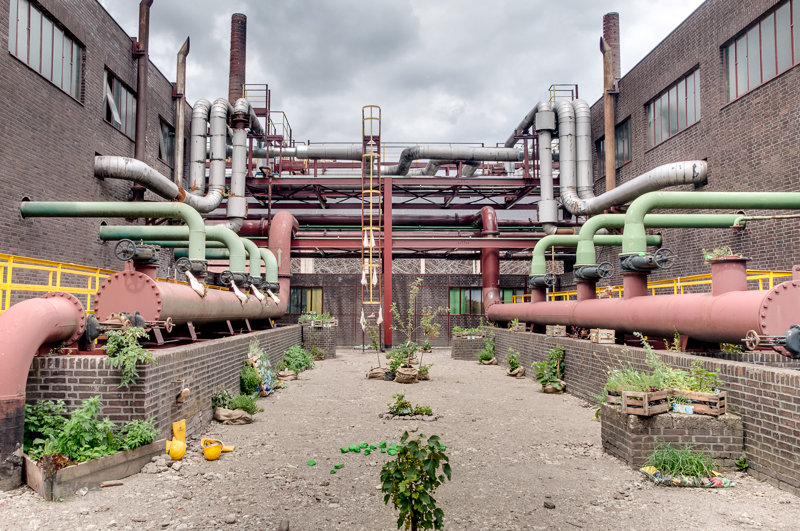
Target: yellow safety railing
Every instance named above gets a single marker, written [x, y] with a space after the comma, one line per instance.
[27, 276]
[762, 278]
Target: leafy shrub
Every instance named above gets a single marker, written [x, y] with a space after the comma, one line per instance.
[410, 480]
[423, 369]
[246, 403]
[249, 380]
[512, 357]
[124, 352]
[43, 420]
[137, 433]
[680, 461]
[400, 406]
[487, 352]
[317, 353]
[422, 410]
[221, 399]
[483, 355]
[296, 359]
[551, 371]
[325, 317]
[730, 348]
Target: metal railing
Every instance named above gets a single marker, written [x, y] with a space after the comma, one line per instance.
[22, 277]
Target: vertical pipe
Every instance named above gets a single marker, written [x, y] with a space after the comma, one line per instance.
[141, 90]
[490, 259]
[728, 274]
[238, 59]
[387, 259]
[586, 289]
[180, 89]
[611, 73]
[634, 284]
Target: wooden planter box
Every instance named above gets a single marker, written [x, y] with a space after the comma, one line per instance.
[517, 327]
[65, 482]
[614, 399]
[645, 404]
[556, 330]
[603, 335]
[704, 403]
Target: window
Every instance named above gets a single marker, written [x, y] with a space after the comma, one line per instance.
[40, 42]
[674, 110]
[166, 145]
[508, 293]
[767, 48]
[304, 300]
[119, 103]
[466, 301]
[622, 137]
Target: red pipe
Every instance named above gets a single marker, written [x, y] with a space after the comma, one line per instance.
[281, 230]
[490, 259]
[24, 328]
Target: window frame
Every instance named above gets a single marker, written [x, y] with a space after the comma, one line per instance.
[600, 147]
[118, 121]
[471, 291]
[658, 131]
[303, 289]
[77, 51]
[169, 159]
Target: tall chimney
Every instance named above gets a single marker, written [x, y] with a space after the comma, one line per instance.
[236, 79]
[611, 36]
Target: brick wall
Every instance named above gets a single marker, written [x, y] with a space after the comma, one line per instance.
[766, 398]
[49, 139]
[320, 337]
[749, 143]
[204, 368]
[466, 349]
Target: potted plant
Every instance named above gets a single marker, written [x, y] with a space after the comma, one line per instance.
[422, 371]
[486, 355]
[550, 373]
[515, 369]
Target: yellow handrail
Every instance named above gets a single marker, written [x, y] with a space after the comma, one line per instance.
[22, 276]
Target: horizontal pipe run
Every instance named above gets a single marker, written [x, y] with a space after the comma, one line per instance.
[539, 257]
[136, 171]
[192, 218]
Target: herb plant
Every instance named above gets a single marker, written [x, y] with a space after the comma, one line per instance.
[680, 461]
[249, 380]
[551, 371]
[43, 420]
[137, 433]
[512, 357]
[221, 399]
[410, 480]
[124, 352]
[401, 406]
[423, 369]
[487, 352]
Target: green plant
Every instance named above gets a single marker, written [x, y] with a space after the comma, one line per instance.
[249, 379]
[316, 353]
[513, 323]
[741, 464]
[400, 406]
[296, 359]
[719, 252]
[487, 352]
[423, 369]
[325, 317]
[551, 371]
[137, 433]
[43, 420]
[730, 348]
[422, 410]
[680, 461]
[702, 380]
[406, 324]
[245, 402]
[426, 347]
[373, 331]
[476, 330]
[484, 355]
[124, 352]
[675, 344]
[512, 357]
[410, 480]
[221, 399]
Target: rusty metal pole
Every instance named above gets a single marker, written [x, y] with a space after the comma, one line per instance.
[180, 91]
[141, 52]
[609, 46]
[238, 58]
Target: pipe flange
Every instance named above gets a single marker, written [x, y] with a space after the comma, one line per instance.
[78, 332]
[196, 267]
[275, 287]
[547, 281]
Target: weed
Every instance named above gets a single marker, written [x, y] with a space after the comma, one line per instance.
[296, 359]
[401, 407]
[680, 461]
[246, 403]
[731, 348]
[221, 399]
[512, 357]
[249, 380]
[551, 371]
[124, 352]
[741, 464]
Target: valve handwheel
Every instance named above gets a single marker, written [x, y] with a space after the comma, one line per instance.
[605, 270]
[550, 279]
[751, 340]
[225, 277]
[664, 258]
[183, 264]
[125, 250]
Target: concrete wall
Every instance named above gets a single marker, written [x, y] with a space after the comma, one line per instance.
[204, 368]
[767, 398]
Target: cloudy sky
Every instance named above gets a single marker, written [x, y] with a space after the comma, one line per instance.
[441, 70]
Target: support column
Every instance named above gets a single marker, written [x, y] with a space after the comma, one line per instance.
[387, 260]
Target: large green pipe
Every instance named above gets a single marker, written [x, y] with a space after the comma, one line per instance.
[176, 232]
[169, 244]
[633, 239]
[270, 262]
[585, 253]
[196, 229]
[539, 259]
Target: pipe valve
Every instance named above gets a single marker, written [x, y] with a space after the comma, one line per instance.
[548, 280]
[646, 262]
[240, 279]
[593, 272]
[195, 267]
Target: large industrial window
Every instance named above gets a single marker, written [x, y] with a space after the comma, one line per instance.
[119, 104]
[674, 110]
[40, 41]
[304, 300]
[622, 137]
[767, 48]
[166, 144]
[466, 301]
[508, 293]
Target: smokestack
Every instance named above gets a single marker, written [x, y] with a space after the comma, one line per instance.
[611, 36]
[236, 79]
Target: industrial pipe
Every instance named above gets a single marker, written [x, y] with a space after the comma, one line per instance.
[198, 131]
[539, 255]
[139, 172]
[469, 154]
[281, 229]
[53, 318]
[196, 234]
[142, 64]
[490, 258]
[218, 115]
[269, 260]
[180, 89]
[634, 232]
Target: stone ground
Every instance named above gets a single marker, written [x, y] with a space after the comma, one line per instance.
[512, 450]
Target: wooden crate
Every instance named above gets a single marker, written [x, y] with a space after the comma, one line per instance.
[556, 330]
[614, 399]
[645, 404]
[603, 336]
[704, 403]
[517, 327]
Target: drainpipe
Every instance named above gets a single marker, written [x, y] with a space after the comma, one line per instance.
[281, 230]
[634, 232]
[490, 259]
[196, 227]
[53, 318]
[141, 52]
[180, 89]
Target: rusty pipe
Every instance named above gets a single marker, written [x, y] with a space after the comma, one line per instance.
[53, 318]
[180, 117]
[142, 52]
[490, 258]
[281, 230]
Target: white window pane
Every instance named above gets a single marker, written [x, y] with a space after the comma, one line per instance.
[58, 50]
[730, 75]
[77, 57]
[697, 95]
[784, 36]
[22, 30]
[682, 104]
[131, 115]
[690, 119]
[36, 38]
[47, 49]
[741, 66]
[649, 111]
[66, 64]
[673, 110]
[664, 117]
[12, 27]
[753, 59]
[768, 47]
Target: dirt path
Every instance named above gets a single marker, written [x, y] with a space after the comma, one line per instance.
[511, 448]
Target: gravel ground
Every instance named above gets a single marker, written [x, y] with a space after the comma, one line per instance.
[512, 450]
